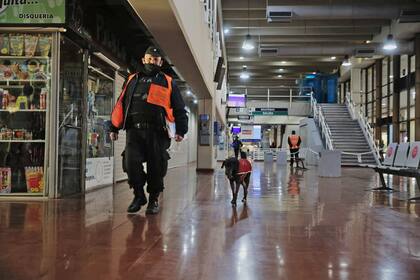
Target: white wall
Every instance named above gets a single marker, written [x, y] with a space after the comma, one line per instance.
[119, 145]
[186, 151]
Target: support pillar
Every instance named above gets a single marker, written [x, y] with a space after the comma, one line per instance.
[355, 86]
[206, 151]
[378, 112]
[396, 99]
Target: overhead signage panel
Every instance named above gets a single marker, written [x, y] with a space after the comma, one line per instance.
[27, 12]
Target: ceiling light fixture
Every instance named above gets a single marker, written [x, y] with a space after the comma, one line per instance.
[281, 69]
[390, 43]
[226, 30]
[248, 44]
[244, 75]
[195, 101]
[189, 93]
[241, 58]
[333, 57]
[279, 76]
[283, 62]
[368, 41]
[346, 61]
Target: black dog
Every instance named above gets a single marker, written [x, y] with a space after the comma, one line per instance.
[235, 175]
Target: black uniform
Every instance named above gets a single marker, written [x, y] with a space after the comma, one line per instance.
[147, 140]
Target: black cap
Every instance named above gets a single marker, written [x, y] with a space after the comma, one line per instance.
[153, 51]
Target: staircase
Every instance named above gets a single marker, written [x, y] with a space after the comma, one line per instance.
[346, 134]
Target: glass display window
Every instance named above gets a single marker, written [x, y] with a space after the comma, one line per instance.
[99, 152]
[25, 88]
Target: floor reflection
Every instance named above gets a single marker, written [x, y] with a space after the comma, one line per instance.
[296, 226]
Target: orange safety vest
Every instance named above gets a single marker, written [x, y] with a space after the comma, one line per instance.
[294, 139]
[158, 95]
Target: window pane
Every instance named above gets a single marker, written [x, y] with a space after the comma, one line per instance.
[404, 65]
[403, 99]
[391, 65]
[412, 112]
[391, 105]
[384, 90]
[413, 64]
[412, 96]
[385, 71]
[412, 131]
[403, 132]
[403, 115]
[384, 107]
[369, 81]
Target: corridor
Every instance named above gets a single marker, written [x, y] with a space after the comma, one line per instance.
[296, 226]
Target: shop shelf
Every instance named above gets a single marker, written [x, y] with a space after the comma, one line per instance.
[23, 110]
[20, 81]
[22, 194]
[22, 141]
[24, 57]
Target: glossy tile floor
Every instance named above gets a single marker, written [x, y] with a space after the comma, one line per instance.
[296, 226]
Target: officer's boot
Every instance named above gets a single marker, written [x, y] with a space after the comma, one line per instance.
[153, 206]
[138, 201]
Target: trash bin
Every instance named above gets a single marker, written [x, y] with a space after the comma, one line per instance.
[268, 156]
[282, 158]
[329, 164]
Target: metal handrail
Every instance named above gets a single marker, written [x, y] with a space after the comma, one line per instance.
[319, 117]
[365, 125]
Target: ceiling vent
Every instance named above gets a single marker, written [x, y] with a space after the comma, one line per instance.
[409, 16]
[364, 52]
[264, 52]
[278, 14]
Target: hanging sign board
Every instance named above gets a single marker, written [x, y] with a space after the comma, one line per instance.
[32, 12]
[270, 112]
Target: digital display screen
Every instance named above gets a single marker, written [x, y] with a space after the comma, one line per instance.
[236, 129]
[236, 100]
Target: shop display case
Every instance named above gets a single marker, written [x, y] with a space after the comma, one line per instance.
[25, 88]
[99, 153]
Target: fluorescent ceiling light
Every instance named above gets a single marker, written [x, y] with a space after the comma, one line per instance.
[279, 76]
[244, 75]
[390, 43]
[283, 62]
[241, 57]
[248, 44]
[189, 92]
[346, 61]
[333, 57]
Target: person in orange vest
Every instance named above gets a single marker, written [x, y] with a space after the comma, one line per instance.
[148, 106]
[294, 145]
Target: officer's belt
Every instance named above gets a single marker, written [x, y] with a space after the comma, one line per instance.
[145, 125]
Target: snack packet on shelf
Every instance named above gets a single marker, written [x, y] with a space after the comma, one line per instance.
[31, 42]
[5, 180]
[34, 179]
[16, 44]
[44, 45]
[4, 44]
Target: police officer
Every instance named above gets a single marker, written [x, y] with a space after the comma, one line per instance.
[149, 103]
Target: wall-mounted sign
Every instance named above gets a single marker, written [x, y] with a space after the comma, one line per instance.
[270, 112]
[32, 12]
